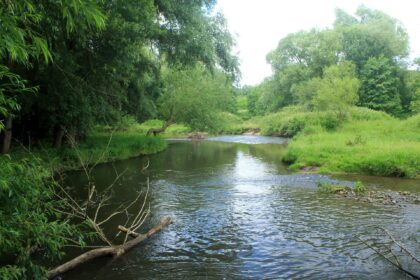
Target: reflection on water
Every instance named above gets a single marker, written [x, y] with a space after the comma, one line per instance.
[240, 215]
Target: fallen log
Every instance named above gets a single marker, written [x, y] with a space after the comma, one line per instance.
[130, 232]
[114, 251]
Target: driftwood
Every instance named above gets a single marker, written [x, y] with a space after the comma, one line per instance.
[114, 251]
[127, 230]
[90, 211]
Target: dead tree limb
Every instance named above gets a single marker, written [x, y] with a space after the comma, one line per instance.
[396, 264]
[400, 245]
[130, 232]
[114, 251]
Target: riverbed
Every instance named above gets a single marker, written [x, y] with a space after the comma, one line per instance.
[240, 214]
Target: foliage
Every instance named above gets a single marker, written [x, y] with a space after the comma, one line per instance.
[379, 88]
[100, 146]
[370, 33]
[336, 91]
[322, 69]
[377, 145]
[313, 49]
[195, 97]
[29, 220]
[327, 187]
[413, 87]
[174, 130]
[10, 85]
[96, 61]
[359, 187]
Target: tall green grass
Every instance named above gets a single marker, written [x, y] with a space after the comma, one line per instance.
[99, 147]
[367, 142]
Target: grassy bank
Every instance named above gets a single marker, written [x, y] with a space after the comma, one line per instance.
[101, 146]
[367, 142]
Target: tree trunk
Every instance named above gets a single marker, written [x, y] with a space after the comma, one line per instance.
[114, 251]
[156, 131]
[59, 135]
[7, 135]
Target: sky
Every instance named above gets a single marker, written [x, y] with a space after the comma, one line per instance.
[258, 25]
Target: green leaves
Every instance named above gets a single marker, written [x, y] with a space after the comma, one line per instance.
[195, 97]
[370, 40]
[27, 219]
[379, 89]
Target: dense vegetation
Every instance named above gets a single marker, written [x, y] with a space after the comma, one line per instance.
[319, 78]
[85, 74]
[67, 67]
[370, 47]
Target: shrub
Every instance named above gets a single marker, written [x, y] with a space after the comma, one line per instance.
[329, 121]
[29, 220]
[359, 187]
[327, 187]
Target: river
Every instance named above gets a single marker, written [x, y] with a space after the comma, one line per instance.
[240, 214]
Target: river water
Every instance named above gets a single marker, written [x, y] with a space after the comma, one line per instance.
[239, 214]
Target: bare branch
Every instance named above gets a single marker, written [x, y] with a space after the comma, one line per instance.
[400, 245]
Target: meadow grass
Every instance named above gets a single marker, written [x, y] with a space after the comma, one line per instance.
[174, 130]
[375, 145]
[99, 147]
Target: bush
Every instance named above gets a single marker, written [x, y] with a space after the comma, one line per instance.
[327, 187]
[366, 114]
[329, 121]
[29, 220]
[359, 187]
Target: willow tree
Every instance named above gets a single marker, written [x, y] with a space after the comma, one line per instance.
[23, 44]
[100, 75]
[196, 97]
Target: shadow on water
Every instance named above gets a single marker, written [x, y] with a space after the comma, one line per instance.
[240, 214]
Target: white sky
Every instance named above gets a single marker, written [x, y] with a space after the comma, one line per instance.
[258, 25]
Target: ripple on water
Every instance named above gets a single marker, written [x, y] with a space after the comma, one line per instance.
[239, 218]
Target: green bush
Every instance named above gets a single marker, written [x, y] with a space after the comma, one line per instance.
[359, 187]
[29, 221]
[329, 121]
[327, 187]
[380, 145]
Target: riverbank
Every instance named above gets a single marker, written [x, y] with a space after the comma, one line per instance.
[365, 142]
[99, 147]
[380, 147]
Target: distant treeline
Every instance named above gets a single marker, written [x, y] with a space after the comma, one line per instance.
[362, 60]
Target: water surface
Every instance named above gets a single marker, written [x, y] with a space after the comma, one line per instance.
[239, 214]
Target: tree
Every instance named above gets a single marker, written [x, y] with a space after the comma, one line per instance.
[298, 57]
[195, 97]
[337, 90]
[413, 88]
[23, 43]
[314, 49]
[370, 33]
[102, 75]
[379, 86]
[29, 220]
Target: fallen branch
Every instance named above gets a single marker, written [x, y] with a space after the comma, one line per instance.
[401, 246]
[396, 264]
[130, 232]
[114, 251]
